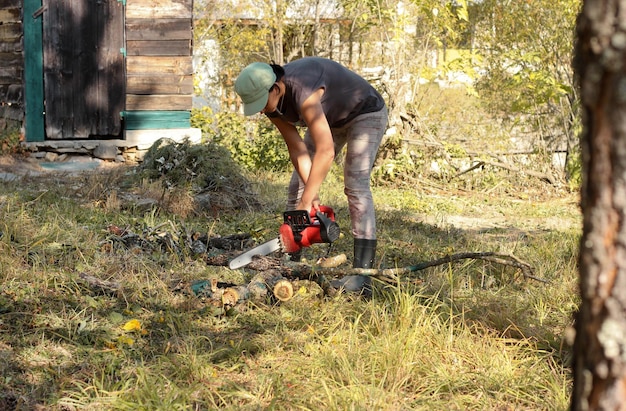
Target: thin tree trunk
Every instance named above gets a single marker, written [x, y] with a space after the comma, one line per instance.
[278, 34]
[316, 28]
[600, 344]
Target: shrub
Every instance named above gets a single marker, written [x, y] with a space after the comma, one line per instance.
[253, 144]
[199, 167]
[10, 139]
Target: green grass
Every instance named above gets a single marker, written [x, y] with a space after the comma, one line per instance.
[472, 335]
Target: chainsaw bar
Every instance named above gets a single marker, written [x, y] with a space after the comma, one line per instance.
[246, 258]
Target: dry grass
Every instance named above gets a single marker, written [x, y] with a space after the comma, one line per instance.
[465, 336]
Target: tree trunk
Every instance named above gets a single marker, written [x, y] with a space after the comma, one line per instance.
[279, 14]
[600, 344]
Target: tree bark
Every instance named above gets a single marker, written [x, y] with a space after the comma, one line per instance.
[600, 343]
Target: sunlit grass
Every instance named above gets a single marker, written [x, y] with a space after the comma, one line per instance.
[470, 335]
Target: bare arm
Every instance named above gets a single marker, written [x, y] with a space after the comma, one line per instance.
[312, 171]
[298, 152]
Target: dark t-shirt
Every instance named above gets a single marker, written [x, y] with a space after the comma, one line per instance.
[346, 94]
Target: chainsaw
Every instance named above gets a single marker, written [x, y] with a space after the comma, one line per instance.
[300, 229]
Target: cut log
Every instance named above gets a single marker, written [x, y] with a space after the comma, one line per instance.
[283, 290]
[266, 283]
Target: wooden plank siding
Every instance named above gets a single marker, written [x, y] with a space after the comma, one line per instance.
[161, 84]
[159, 70]
[8, 45]
[11, 63]
[92, 62]
[158, 102]
[11, 69]
[158, 65]
[159, 9]
[158, 29]
[10, 11]
[157, 47]
[11, 30]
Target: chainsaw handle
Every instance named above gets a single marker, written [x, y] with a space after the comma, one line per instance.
[329, 230]
[326, 210]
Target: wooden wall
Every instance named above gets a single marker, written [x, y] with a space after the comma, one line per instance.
[11, 63]
[159, 55]
[158, 72]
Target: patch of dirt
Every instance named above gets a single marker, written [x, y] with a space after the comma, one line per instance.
[20, 165]
[100, 181]
[487, 223]
[544, 208]
[26, 166]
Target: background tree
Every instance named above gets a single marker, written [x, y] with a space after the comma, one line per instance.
[600, 345]
[525, 50]
[516, 54]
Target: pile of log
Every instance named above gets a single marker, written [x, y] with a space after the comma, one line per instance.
[275, 276]
[264, 285]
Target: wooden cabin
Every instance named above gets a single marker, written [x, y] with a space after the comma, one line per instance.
[77, 72]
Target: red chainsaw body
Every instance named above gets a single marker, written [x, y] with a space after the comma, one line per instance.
[303, 229]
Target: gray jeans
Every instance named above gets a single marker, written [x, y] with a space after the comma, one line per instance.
[362, 137]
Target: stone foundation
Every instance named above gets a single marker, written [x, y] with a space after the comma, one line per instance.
[131, 149]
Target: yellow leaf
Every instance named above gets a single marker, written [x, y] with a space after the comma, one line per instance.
[132, 325]
[122, 339]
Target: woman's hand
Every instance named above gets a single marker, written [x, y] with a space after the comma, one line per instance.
[313, 205]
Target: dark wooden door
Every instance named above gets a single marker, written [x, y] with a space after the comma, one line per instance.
[84, 86]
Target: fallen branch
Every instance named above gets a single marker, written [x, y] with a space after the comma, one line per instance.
[472, 168]
[499, 164]
[277, 271]
[542, 176]
[100, 286]
[392, 274]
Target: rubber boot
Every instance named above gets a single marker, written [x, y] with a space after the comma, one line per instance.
[364, 254]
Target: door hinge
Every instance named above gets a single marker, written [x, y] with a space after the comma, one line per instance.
[123, 51]
[122, 1]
